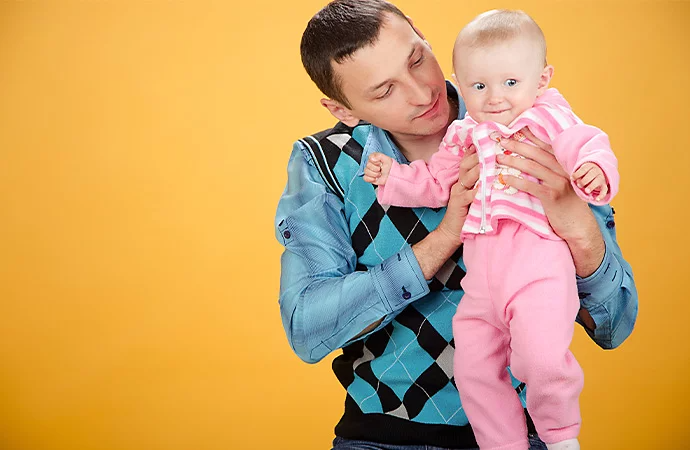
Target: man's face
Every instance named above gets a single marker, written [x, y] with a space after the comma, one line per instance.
[500, 81]
[396, 83]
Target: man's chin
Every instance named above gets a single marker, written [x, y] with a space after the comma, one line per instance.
[437, 124]
[431, 129]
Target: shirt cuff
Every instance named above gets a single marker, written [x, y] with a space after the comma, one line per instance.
[399, 280]
[597, 288]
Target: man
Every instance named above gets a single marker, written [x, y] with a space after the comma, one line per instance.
[383, 283]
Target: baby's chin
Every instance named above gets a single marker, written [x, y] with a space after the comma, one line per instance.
[504, 117]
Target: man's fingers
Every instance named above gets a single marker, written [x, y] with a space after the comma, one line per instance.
[464, 198]
[538, 142]
[468, 173]
[469, 179]
[536, 154]
[534, 168]
[470, 194]
[468, 162]
[523, 185]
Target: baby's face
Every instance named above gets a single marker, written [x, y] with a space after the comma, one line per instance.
[500, 81]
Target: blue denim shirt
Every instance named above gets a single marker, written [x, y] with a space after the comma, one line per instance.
[324, 302]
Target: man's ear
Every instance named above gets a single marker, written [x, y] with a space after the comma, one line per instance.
[544, 79]
[340, 112]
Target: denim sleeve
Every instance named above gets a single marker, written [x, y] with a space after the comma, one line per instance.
[323, 301]
[609, 294]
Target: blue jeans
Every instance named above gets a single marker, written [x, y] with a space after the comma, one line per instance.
[347, 444]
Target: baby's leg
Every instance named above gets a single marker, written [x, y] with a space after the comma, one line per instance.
[541, 316]
[481, 357]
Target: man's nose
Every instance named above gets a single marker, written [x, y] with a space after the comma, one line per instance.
[420, 93]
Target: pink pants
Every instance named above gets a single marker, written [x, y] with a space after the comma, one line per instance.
[519, 309]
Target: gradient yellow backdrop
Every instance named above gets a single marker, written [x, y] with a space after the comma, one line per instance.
[143, 148]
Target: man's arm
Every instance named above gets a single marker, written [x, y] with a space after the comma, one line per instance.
[324, 302]
[608, 295]
[605, 280]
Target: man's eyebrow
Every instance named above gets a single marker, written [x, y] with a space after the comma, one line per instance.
[388, 80]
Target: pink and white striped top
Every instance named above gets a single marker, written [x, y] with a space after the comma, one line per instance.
[550, 120]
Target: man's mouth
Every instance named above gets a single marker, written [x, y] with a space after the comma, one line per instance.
[432, 109]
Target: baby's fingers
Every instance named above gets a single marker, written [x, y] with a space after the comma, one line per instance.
[376, 158]
[581, 171]
[371, 173]
[603, 190]
[588, 178]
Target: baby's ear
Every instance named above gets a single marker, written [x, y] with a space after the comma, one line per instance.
[455, 79]
[544, 79]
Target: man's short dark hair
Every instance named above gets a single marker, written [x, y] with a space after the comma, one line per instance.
[336, 32]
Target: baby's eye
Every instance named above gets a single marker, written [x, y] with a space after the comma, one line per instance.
[510, 82]
[479, 86]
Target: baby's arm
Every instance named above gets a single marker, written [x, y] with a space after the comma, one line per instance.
[578, 149]
[417, 184]
[413, 185]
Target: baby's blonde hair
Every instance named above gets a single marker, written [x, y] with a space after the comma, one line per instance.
[499, 25]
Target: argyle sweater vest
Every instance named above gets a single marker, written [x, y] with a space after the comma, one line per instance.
[399, 379]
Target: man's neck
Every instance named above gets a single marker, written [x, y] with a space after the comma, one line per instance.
[422, 147]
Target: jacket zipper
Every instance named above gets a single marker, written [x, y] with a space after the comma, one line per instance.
[482, 176]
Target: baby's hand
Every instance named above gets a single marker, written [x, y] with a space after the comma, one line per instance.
[591, 179]
[377, 169]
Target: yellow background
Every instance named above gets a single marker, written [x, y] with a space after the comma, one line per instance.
[143, 148]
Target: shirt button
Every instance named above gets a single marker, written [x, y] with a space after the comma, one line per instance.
[610, 224]
[286, 234]
[406, 295]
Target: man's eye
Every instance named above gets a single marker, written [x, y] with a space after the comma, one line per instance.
[511, 82]
[479, 86]
[419, 61]
[387, 93]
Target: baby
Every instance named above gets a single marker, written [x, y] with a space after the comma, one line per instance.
[521, 296]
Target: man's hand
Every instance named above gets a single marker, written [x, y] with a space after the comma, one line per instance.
[435, 249]
[569, 216]
[461, 196]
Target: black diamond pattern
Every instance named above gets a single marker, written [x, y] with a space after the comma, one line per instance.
[367, 229]
[429, 339]
[389, 401]
[433, 379]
